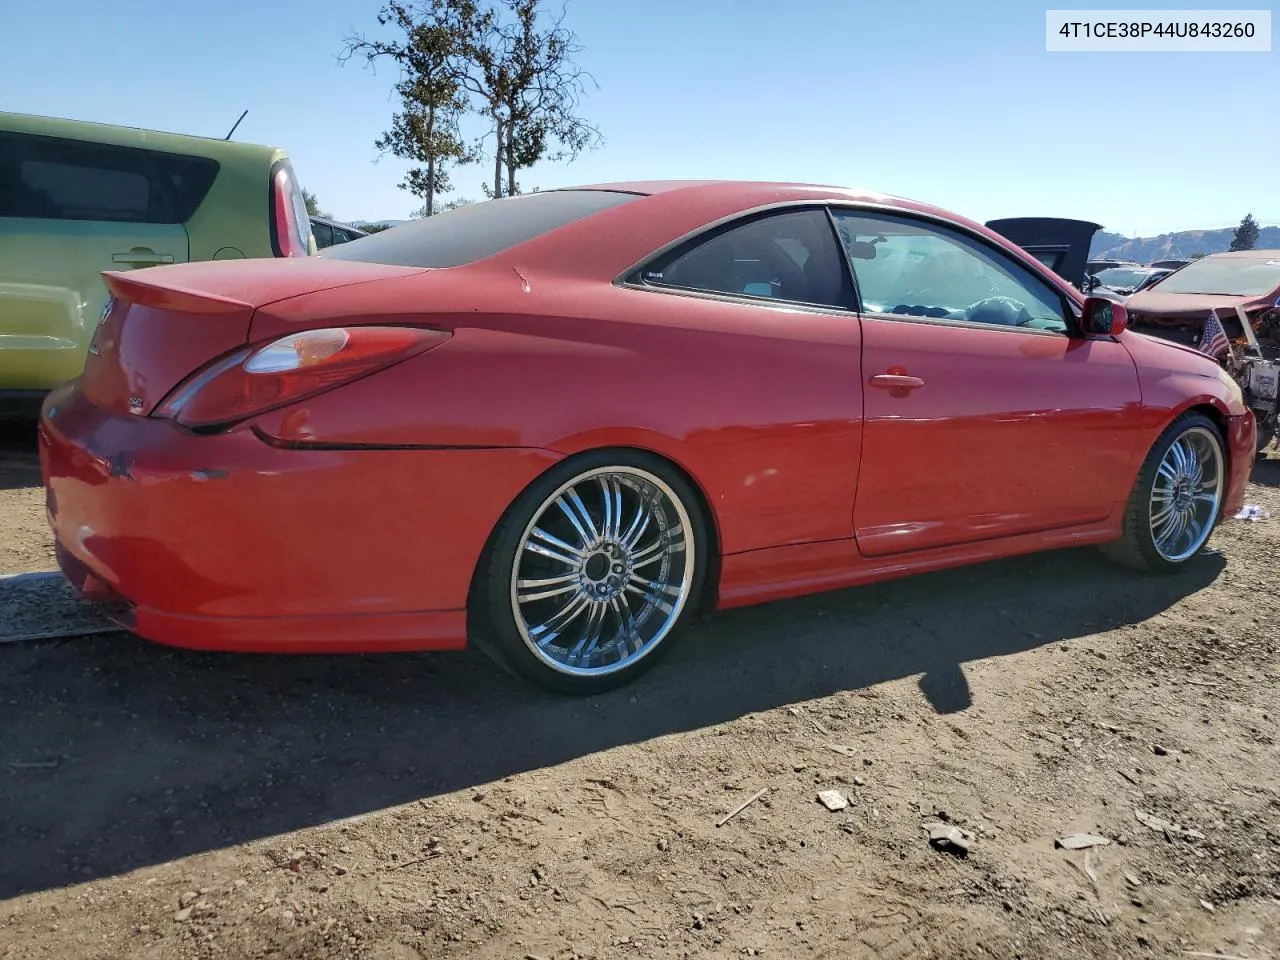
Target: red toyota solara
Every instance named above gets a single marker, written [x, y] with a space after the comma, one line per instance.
[560, 424]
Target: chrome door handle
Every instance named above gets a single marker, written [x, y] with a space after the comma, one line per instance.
[140, 258]
[898, 381]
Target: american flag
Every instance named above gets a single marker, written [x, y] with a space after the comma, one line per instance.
[1214, 339]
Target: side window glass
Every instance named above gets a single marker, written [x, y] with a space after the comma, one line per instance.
[54, 179]
[911, 268]
[187, 181]
[790, 256]
[323, 234]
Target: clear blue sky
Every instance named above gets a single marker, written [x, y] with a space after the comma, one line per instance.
[952, 102]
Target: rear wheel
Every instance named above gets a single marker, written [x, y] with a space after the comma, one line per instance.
[1177, 501]
[592, 572]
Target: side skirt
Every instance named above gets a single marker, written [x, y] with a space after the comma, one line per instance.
[779, 573]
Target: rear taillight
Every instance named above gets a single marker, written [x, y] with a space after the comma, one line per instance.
[256, 379]
[290, 225]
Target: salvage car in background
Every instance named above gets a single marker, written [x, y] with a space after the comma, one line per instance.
[1124, 281]
[561, 424]
[79, 198]
[1245, 283]
[328, 232]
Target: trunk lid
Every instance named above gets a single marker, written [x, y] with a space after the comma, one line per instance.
[1060, 244]
[163, 323]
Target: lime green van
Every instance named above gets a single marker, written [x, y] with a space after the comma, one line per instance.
[79, 198]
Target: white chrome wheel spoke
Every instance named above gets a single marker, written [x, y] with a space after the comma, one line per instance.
[638, 526]
[672, 542]
[576, 512]
[565, 554]
[547, 587]
[611, 494]
[627, 623]
[551, 629]
[590, 633]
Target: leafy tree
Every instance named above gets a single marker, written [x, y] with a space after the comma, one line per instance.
[432, 101]
[443, 208]
[1246, 235]
[375, 227]
[499, 61]
[313, 205]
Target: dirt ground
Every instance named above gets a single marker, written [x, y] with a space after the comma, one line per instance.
[157, 804]
[23, 543]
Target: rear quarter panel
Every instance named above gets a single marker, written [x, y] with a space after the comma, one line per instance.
[761, 406]
[234, 220]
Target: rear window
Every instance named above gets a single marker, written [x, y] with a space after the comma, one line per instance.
[49, 178]
[480, 230]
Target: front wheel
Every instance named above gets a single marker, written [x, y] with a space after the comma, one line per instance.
[1266, 433]
[591, 572]
[1177, 501]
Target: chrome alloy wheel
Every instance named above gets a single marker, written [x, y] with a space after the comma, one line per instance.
[1187, 494]
[603, 571]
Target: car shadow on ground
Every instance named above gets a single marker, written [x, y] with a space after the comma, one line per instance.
[118, 754]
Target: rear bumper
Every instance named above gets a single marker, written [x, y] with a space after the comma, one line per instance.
[226, 542]
[39, 363]
[1241, 432]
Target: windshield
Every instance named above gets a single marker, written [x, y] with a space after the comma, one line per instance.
[1119, 278]
[1233, 277]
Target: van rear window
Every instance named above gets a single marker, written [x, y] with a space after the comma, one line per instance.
[479, 230]
[50, 178]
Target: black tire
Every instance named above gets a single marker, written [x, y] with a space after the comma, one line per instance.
[499, 629]
[1263, 438]
[1137, 547]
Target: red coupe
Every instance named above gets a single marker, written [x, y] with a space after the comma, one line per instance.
[560, 424]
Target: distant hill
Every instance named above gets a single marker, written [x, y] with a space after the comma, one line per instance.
[1183, 244]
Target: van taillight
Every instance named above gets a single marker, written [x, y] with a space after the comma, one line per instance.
[290, 232]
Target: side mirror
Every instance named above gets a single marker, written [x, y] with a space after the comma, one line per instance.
[1103, 317]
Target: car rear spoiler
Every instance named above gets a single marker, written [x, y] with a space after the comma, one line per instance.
[151, 291]
[1061, 245]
